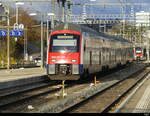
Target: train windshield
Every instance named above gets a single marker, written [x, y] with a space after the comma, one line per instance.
[138, 50]
[64, 43]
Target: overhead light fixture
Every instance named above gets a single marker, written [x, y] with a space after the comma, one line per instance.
[33, 14]
[19, 3]
[50, 14]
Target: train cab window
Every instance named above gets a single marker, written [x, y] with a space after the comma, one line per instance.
[90, 57]
[138, 50]
[65, 43]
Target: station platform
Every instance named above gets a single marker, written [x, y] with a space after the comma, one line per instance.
[16, 77]
[140, 100]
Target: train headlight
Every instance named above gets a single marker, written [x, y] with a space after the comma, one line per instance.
[74, 60]
[53, 60]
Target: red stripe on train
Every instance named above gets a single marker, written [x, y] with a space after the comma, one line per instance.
[64, 58]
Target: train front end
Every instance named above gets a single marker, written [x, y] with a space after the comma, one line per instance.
[138, 53]
[63, 56]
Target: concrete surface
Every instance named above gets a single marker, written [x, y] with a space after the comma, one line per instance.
[140, 101]
[16, 77]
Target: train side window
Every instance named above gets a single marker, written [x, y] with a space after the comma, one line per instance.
[116, 54]
[84, 38]
[103, 53]
[90, 57]
[110, 58]
[100, 58]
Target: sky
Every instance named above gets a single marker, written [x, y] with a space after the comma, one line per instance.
[45, 7]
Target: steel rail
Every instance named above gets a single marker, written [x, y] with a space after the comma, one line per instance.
[107, 108]
[8, 96]
[117, 110]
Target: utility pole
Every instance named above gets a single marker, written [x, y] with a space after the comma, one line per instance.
[63, 10]
[17, 14]
[58, 2]
[25, 45]
[52, 15]
[8, 39]
[42, 47]
[7, 13]
[84, 12]
[147, 37]
[47, 30]
[53, 7]
[69, 9]
[147, 49]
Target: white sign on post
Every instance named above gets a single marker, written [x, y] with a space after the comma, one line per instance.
[21, 26]
[15, 26]
[18, 26]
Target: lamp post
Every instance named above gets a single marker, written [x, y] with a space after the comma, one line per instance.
[7, 13]
[52, 25]
[17, 24]
[147, 48]
[17, 11]
[52, 19]
[42, 47]
[8, 39]
[58, 2]
[25, 45]
[63, 9]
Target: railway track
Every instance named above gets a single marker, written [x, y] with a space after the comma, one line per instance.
[16, 94]
[108, 99]
[18, 102]
[117, 101]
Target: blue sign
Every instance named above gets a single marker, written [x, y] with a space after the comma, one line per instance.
[16, 33]
[3, 33]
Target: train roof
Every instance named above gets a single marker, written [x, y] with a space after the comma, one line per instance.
[67, 26]
[81, 28]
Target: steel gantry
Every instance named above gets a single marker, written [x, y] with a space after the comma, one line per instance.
[98, 18]
[66, 14]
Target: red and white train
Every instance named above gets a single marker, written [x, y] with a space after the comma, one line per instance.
[138, 53]
[76, 50]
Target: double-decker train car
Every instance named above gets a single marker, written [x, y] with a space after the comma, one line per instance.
[76, 50]
[138, 53]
